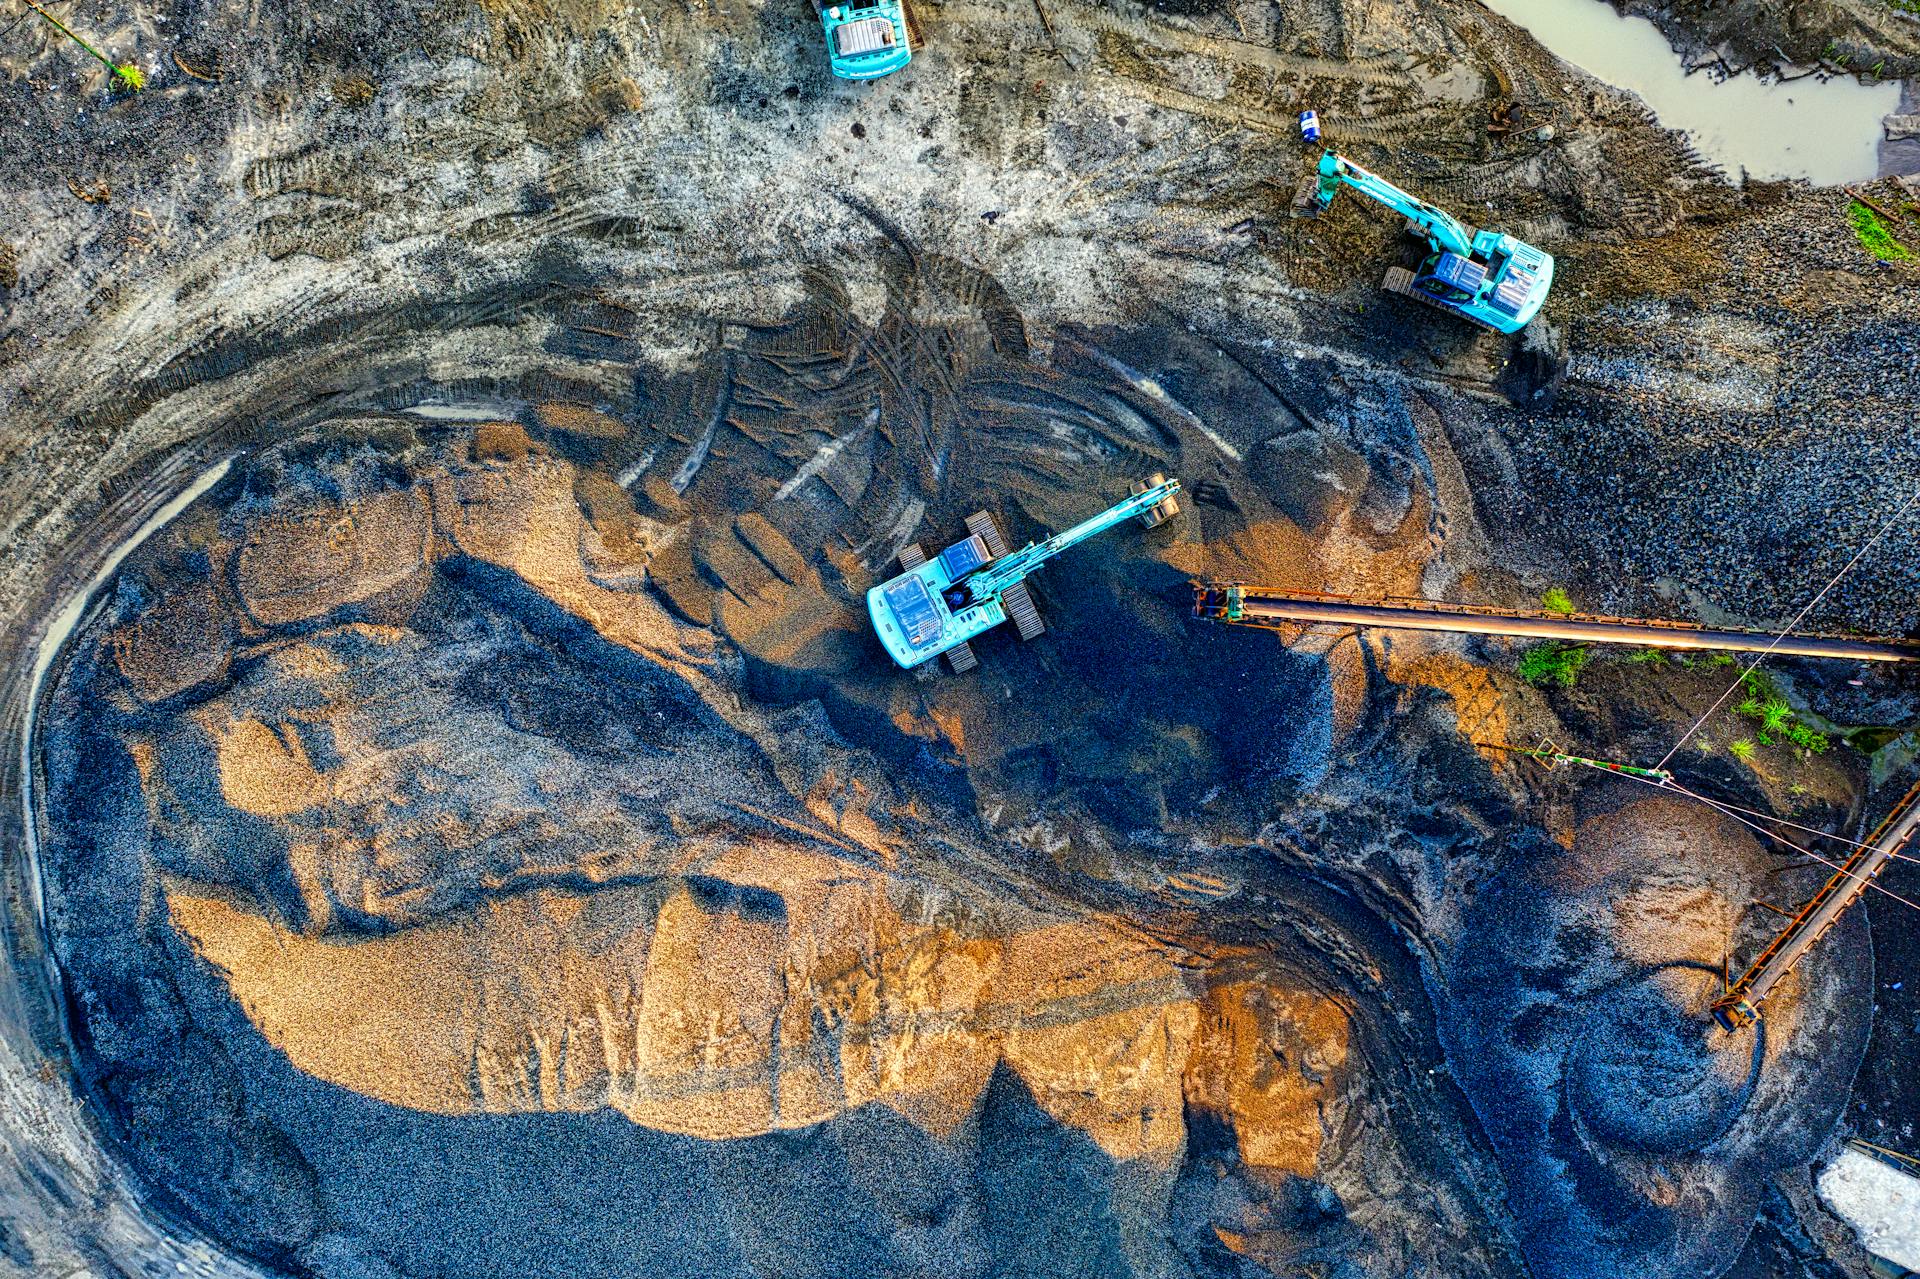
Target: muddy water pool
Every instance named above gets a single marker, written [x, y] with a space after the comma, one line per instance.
[1824, 130]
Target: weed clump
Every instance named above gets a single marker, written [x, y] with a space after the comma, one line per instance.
[1557, 601]
[1874, 235]
[1774, 717]
[1552, 663]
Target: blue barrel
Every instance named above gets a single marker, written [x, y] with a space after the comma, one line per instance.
[1310, 126]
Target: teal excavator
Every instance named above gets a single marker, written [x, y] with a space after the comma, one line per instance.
[936, 605]
[1486, 277]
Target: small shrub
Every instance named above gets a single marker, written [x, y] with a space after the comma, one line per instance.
[1810, 740]
[1874, 236]
[1552, 663]
[1557, 601]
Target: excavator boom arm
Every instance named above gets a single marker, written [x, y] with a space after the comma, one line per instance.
[1009, 569]
[1439, 226]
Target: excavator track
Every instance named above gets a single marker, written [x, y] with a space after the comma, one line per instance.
[960, 658]
[1400, 280]
[911, 557]
[982, 525]
[1015, 599]
[1019, 605]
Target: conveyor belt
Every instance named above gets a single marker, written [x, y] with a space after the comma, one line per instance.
[1266, 606]
[1741, 1004]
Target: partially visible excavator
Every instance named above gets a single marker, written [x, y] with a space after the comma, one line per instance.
[866, 39]
[1487, 278]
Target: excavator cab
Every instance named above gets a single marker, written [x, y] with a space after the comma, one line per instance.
[1453, 278]
[958, 562]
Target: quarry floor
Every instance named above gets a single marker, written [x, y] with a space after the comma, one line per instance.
[474, 833]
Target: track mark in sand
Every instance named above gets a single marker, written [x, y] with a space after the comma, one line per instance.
[1158, 394]
[63, 625]
[627, 477]
[697, 455]
[1384, 128]
[1193, 104]
[823, 458]
[1390, 127]
[1384, 70]
[898, 534]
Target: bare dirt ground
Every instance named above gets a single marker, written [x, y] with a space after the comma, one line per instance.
[477, 835]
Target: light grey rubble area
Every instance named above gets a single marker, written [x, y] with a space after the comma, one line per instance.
[791, 324]
[1880, 1200]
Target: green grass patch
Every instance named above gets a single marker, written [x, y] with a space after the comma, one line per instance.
[1775, 719]
[1646, 656]
[1742, 749]
[1557, 601]
[1874, 236]
[1553, 663]
[1810, 740]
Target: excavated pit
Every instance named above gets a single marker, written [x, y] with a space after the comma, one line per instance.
[475, 835]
